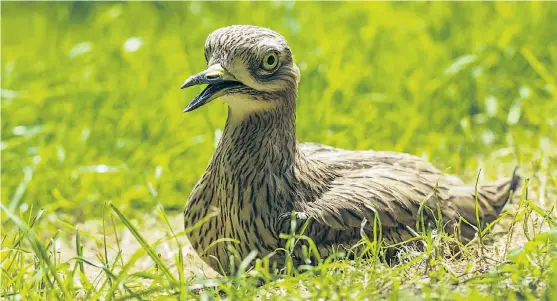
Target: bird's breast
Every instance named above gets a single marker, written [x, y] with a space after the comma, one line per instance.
[245, 218]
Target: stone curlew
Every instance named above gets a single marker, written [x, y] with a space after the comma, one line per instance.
[259, 173]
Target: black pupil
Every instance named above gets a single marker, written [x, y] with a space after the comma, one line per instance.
[271, 60]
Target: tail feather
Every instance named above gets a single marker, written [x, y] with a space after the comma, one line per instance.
[500, 193]
[492, 198]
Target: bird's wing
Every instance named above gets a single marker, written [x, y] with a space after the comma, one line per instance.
[349, 160]
[395, 195]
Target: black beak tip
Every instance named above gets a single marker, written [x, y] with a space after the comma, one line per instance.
[193, 105]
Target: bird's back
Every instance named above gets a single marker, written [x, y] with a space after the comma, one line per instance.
[394, 186]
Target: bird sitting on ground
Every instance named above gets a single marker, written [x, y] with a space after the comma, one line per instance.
[260, 176]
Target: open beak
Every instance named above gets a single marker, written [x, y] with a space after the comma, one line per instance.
[218, 82]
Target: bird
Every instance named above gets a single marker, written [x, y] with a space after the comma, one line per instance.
[260, 181]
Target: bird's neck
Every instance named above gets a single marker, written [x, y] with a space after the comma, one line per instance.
[265, 140]
[262, 149]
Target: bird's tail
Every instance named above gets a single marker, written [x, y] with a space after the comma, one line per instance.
[491, 198]
[500, 192]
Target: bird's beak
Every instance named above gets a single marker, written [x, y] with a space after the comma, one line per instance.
[218, 81]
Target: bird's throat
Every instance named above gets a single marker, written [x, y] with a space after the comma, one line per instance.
[261, 152]
[265, 140]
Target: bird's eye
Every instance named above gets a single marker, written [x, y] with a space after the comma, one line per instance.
[270, 62]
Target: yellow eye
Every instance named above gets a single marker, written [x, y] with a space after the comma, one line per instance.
[270, 62]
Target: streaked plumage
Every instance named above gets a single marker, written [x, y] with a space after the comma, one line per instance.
[259, 174]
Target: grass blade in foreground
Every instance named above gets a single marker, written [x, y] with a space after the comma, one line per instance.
[41, 253]
[144, 244]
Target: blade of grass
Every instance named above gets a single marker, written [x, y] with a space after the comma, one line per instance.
[144, 244]
[41, 253]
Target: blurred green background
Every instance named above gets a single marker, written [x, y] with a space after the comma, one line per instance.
[92, 110]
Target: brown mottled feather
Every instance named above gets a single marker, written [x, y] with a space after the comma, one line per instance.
[259, 174]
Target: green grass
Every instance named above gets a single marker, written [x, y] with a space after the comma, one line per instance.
[94, 141]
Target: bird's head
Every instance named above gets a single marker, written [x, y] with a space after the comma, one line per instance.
[250, 68]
